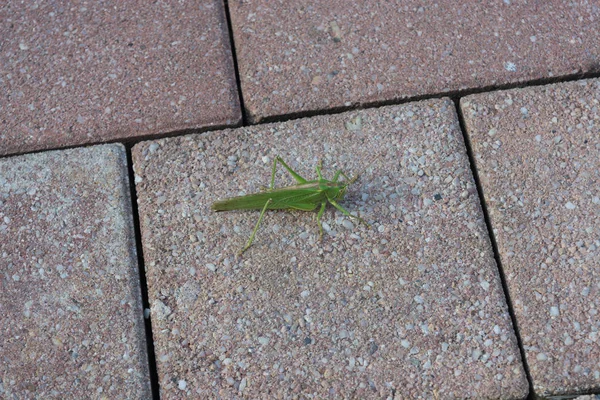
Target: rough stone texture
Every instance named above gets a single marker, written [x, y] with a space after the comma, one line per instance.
[537, 151]
[412, 306]
[70, 300]
[87, 72]
[306, 55]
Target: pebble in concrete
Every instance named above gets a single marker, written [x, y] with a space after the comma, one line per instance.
[99, 71]
[537, 151]
[70, 303]
[410, 307]
[305, 55]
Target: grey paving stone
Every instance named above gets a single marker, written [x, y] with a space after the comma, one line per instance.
[88, 72]
[537, 153]
[305, 55]
[411, 307]
[70, 299]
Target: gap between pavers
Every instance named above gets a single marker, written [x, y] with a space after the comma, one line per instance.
[302, 56]
[70, 301]
[537, 153]
[73, 74]
[411, 307]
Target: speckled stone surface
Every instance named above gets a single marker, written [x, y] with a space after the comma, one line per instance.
[70, 301]
[537, 151]
[411, 307]
[87, 72]
[306, 55]
[589, 397]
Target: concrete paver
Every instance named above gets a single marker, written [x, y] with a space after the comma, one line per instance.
[304, 55]
[88, 72]
[411, 307]
[70, 301]
[537, 155]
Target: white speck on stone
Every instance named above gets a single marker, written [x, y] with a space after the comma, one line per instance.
[182, 384]
[533, 38]
[485, 285]
[538, 138]
[570, 205]
[405, 343]
[263, 340]
[348, 224]
[542, 357]
[418, 299]
[153, 147]
[524, 111]
[305, 293]
[554, 311]
[138, 179]
[497, 329]
[211, 267]
[509, 66]
[492, 131]
[265, 159]
[23, 46]
[243, 385]
[16, 277]
[427, 202]
[569, 341]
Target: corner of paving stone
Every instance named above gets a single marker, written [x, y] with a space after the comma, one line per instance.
[70, 298]
[536, 152]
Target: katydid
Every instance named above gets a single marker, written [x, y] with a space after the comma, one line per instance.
[305, 196]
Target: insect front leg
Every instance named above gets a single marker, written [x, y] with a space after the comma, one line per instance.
[345, 212]
[296, 176]
[262, 213]
[337, 176]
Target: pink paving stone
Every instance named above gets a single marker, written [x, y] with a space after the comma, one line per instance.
[537, 151]
[70, 302]
[411, 307]
[305, 55]
[87, 72]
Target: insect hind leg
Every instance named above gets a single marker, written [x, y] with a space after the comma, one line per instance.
[262, 213]
[296, 176]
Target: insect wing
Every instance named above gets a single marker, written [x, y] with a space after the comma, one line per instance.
[295, 197]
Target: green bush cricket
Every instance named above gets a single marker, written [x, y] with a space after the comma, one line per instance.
[305, 196]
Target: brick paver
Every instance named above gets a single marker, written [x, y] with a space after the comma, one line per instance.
[411, 307]
[537, 153]
[71, 314]
[76, 72]
[304, 55]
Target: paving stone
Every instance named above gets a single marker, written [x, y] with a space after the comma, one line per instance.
[89, 72]
[70, 299]
[537, 155]
[304, 55]
[411, 306]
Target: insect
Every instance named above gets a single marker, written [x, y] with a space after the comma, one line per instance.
[305, 196]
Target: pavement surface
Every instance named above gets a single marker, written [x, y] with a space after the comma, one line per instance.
[473, 130]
